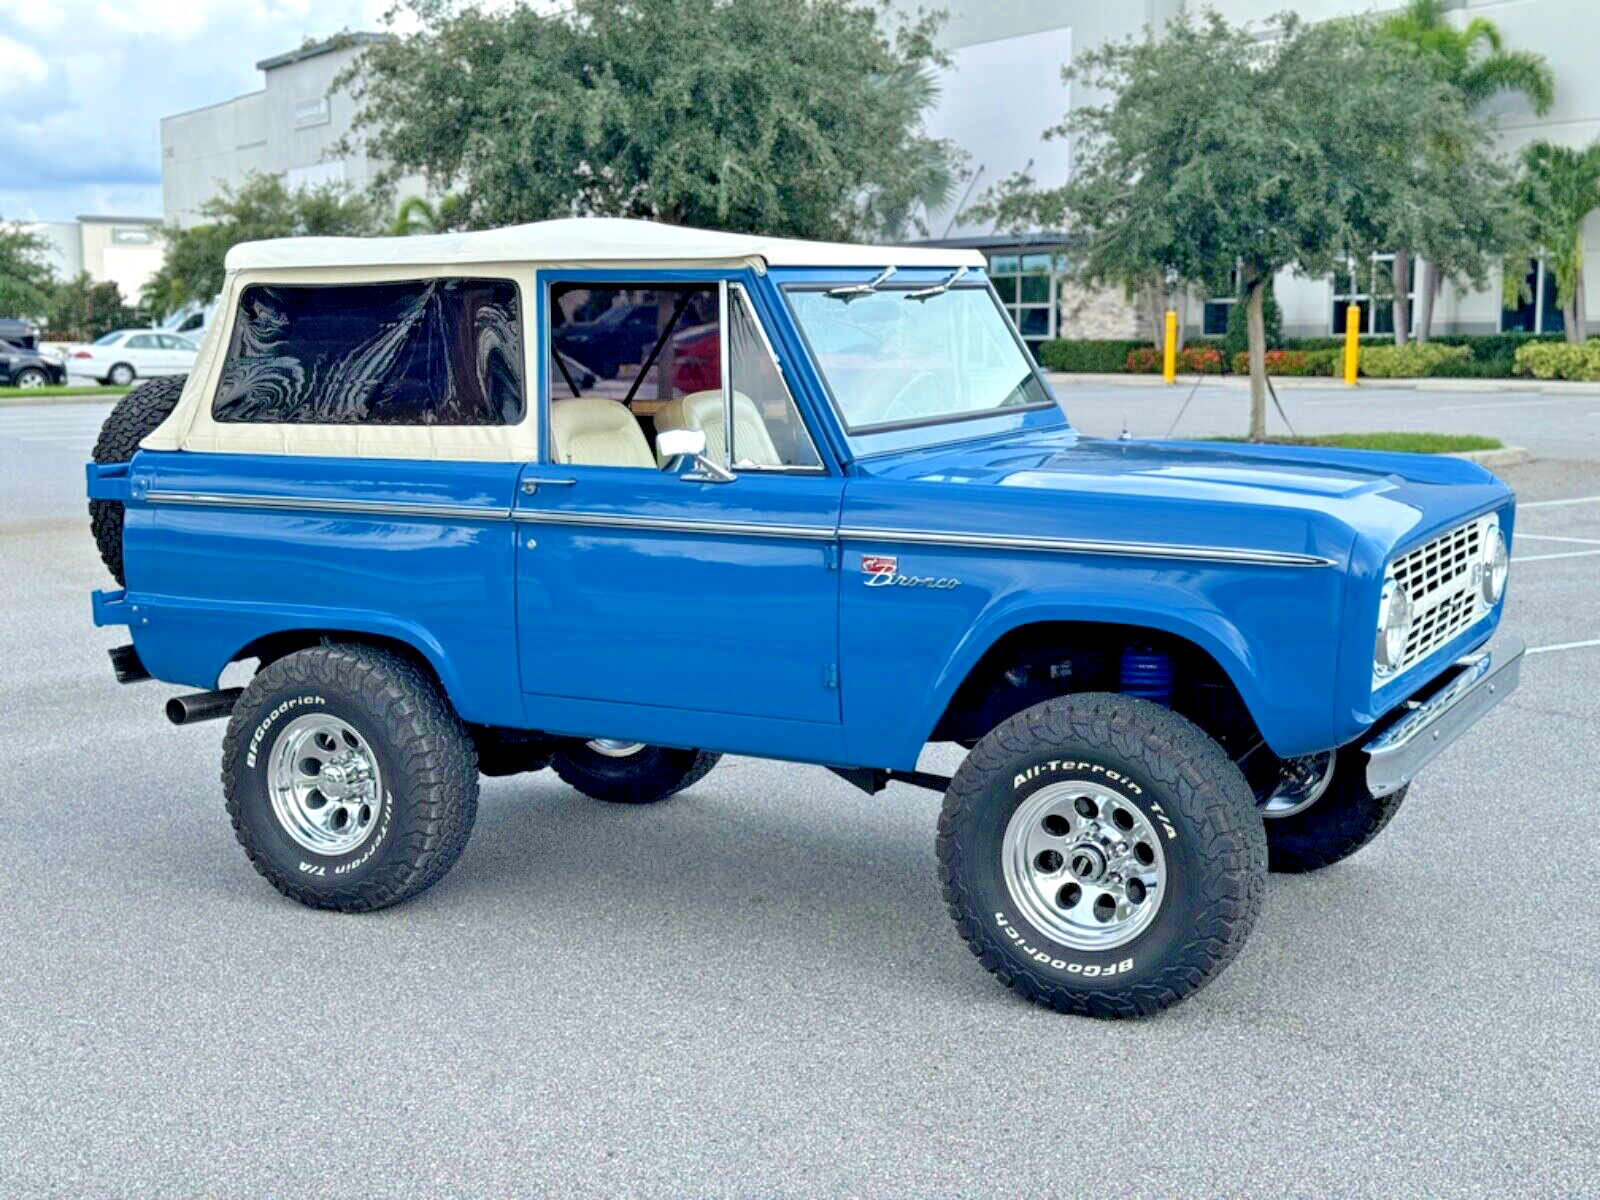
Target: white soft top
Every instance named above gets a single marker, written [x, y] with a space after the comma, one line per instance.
[587, 241]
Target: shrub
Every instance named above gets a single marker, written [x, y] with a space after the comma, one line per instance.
[1558, 360]
[1238, 336]
[1192, 360]
[1290, 362]
[1412, 361]
[1099, 357]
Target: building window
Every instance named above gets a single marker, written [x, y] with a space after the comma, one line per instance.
[312, 112]
[131, 235]
[1370, 286]
[1535, 309]
[1028, 286]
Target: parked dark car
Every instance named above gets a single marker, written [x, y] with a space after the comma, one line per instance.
[23, 366]
[19, 333]
[623, 334]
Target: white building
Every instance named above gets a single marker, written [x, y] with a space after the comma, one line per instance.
[1005, 89]
[291, 127]
[125, 251]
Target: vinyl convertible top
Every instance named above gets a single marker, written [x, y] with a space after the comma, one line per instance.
[586, 241]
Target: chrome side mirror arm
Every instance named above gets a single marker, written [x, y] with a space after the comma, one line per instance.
[674, 444]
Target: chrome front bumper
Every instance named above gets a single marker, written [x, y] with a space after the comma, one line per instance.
[1483, 679]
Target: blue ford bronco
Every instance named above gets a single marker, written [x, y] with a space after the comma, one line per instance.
[617, 498]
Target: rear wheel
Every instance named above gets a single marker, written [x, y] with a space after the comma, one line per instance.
[1102, 855]
[629, 772]
[121, 375]
[1330, 822]
[351, 782]
[132, 420]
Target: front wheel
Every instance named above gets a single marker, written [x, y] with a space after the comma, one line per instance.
[351, 782]
[1331, 822]
[30, 378]
[629, 772]
[1101, 855]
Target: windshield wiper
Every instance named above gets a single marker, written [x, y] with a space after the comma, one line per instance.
[851, 291]
[937, 289]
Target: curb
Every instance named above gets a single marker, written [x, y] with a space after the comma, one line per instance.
[1506, 456]
[1549, 387]
[72, 398]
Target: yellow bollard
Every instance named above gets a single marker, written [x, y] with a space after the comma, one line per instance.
[1352, 343]
[1169, 353]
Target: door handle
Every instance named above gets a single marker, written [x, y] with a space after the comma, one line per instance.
[531, 485]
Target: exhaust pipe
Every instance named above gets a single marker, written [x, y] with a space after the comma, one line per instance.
[202, 706]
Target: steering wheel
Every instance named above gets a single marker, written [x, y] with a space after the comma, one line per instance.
[907, 389]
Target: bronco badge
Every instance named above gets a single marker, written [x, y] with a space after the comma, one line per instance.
[883, 570]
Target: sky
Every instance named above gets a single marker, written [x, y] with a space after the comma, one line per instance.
[84, 85]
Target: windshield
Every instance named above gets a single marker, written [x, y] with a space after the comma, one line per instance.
[893, 358]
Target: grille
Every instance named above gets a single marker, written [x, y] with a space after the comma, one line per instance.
[1442, 579]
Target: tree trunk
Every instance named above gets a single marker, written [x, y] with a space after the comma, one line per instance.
[1431, 280]
[1256, 326]
[1579, 326]
[1402, 302]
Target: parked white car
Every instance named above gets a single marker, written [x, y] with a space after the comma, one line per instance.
[121, 357]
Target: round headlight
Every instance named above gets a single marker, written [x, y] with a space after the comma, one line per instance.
[1496, 566]
[1394, 625]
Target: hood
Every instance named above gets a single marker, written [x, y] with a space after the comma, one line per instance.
[1208, 492]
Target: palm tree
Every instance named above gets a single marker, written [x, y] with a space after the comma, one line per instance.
[1559, 188]
[1474, 61]
[416, 215]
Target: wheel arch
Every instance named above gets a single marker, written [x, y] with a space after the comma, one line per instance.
[1217, 648]
[414, 645]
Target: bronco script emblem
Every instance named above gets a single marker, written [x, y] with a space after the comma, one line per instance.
[883, 570]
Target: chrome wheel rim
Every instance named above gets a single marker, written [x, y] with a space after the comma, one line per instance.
[1084, 865]
[325, 784]
[31, 379]
[1301, 783]
[613, 748]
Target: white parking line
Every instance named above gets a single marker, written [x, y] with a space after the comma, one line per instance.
[1563, 646]
[1550, 537]
[1498, 404]
[1516, 558]
[1560, 503]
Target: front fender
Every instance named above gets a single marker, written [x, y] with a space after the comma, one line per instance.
[905, 651]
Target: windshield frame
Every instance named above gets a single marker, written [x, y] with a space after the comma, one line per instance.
[973, 282]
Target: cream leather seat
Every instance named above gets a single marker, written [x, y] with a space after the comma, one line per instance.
[598, 432]
[703, 410]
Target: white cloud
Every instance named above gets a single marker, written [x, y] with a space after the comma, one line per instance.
[85, 84]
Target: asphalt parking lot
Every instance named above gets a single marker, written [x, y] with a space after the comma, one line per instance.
[753, 989]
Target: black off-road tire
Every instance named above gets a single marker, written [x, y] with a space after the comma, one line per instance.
[425, 757]
[650, 774]
[1191, 795]
[1345, 818]
[131, 421]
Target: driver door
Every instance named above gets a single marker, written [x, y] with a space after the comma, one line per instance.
[638, 586]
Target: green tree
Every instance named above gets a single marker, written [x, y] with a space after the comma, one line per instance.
[1221, 156]
[1473, 60]
[82, 308]
[416, 214]
[797, 117]
[1558, 187]
[261, 207]
[25, 276]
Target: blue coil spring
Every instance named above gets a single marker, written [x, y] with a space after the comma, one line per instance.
[1147, 674]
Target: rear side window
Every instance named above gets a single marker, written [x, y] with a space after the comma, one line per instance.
[426, 352]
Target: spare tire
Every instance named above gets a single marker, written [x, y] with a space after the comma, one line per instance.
[134, 417]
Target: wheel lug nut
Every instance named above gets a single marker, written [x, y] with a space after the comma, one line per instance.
[1122, 847]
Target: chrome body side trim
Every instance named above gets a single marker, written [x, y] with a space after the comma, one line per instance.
[917, 537]
[1483, 679]
[997, 541]
[674, 525]
[372, 508]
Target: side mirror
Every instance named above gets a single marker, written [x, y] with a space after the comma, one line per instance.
[681, 443]
[691, 443]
